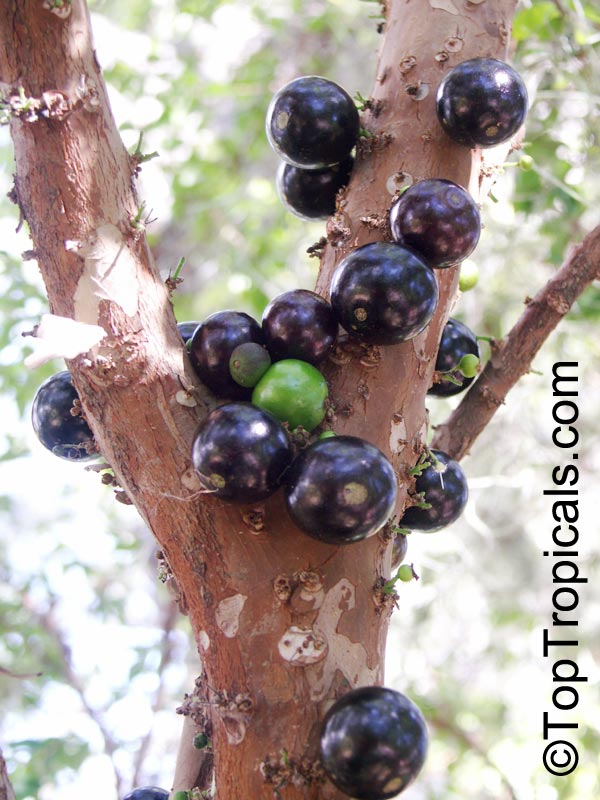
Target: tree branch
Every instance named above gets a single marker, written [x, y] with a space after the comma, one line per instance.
[513, 355]
[6, 789]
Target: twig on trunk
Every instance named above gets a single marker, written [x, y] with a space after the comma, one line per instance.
[512, 356]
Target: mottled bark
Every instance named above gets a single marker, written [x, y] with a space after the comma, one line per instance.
[283, 624]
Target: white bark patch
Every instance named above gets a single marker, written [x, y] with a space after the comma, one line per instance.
[302, 647]
[445, 5]
[235, 729]
[61, 337]
[342, 654]
[203, 641]
[228, 613]
[397, 434]
[109, 273]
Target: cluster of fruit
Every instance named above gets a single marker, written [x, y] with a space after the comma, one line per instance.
[338, 489]
[316, 159]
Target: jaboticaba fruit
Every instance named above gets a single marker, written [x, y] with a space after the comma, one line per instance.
[445, 491]
[312, 123]
[437, 218]
[241, 452]
[186, 330]
[248, 363]
[147, 793]
[211, 347]
[340, 490]
[299, 324]
[482, 102]
[311, 193]
[383, 293]
[457, 340]
[60, 431]
[373, 743]
[399, 549]
[293, 391]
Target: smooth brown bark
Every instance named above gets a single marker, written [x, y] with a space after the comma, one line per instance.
[283, 624]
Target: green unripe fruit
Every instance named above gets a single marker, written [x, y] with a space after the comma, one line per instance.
[293, 391]
[469, 276]
[406, 573]
[248, 363]
[327, 435]
[468, 365]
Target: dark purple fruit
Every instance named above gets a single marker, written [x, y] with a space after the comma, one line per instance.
[248, 363]
[186, 330]
[383, 293]
[65, 435]
[399, 548]
[446, 493]
[299, 324]
[211, 347]
[340, 490]
[240, 452]
[373, 743]
[482, 102]
[437, 218]
[312, 123]
[147, 793]
[311, 193]
[457, 340]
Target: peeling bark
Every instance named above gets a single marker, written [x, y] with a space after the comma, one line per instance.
[247, 591]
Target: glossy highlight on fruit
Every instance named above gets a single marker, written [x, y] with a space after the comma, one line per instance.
[438, 219]
[340, 490]
[241, 452]
[248, 363]
[294, 392]
[311, 193]
[373, 743]
[383, 293]
[299, 324]
[457, 340]
[147, 793]
[212, 344]
[65, 435]
[312, 123]
[446, 493]
[482, 101]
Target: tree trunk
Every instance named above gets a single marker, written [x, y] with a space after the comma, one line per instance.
[283, 624]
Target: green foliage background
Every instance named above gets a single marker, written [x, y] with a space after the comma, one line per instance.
[83, 614]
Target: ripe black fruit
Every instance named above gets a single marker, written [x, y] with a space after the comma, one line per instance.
[482, 102]
[340, 490]
[65, 435]
[445, 492]
[383, 293]
[211, 347]
[312, 123]
[457, 340]
[399, 548]
[373, 743]
[299, 324]
[147, 793]
[311, 193]
[186, 330]
[240, 452]
[437, 218]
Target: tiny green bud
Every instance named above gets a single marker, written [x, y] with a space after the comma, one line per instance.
[526, 163]
[406, 573]
[469, 276]
[469, 365]
[200, 741]
[327, 435]
[180, 796]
